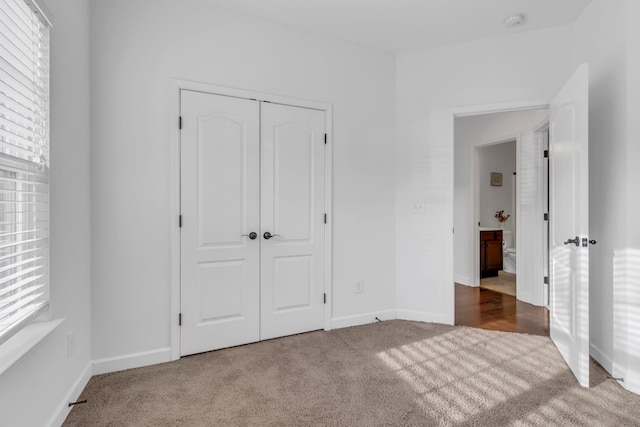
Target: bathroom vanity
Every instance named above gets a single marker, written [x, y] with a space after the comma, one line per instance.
[490, 252]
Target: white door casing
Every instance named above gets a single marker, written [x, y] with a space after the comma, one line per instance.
[244, 171]
[569, 223]
[292, 272]
[220, 185]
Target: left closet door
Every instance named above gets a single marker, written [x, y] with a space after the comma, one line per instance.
[220, 203]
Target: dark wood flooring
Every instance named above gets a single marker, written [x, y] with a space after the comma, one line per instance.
[487, 309]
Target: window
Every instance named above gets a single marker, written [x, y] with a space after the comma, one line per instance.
[24, 164]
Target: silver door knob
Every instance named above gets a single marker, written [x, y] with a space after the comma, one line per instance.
[268, 235]
[253, 235]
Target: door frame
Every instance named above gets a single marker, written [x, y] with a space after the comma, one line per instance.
[541, 133]
[174, 191]
[450, 117]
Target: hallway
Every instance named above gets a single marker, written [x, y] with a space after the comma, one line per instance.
[487, 309]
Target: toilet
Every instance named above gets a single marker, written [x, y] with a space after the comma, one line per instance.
[508, 252]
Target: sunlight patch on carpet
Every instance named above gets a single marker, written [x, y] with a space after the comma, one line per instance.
[468, 371]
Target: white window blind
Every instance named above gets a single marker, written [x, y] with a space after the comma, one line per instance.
[24, 168]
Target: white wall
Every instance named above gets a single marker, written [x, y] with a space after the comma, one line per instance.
[630, 342]
[605, 36]
[600, 40]
[36, 391]
[137, 47]
[500, 158]
[524, 67]
[483, 129]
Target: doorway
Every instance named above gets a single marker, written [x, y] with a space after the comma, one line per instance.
[496, 210]
[253, 219]
[498, 175]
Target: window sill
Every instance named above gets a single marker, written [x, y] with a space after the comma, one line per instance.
[24, 341]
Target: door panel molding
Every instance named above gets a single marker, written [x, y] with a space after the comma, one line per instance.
[175, 88]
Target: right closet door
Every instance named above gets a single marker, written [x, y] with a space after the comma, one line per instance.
[292, 209]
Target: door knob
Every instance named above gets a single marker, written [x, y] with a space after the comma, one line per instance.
[253, 235]
[268, 235]
[575, 241]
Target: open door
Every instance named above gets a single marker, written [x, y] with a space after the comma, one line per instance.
[569, 222]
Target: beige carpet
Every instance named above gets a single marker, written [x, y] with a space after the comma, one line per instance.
[395, 373]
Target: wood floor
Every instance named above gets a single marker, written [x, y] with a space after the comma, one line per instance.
[487, 309]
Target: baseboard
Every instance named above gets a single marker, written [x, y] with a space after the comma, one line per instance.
[57, 419]
[631, 384]
[129, 361]
[467, 284]
[463, 280]
[599, 356]
[362, 319]
[422, 316]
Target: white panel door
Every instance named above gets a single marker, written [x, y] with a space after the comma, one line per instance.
[293, 212]
[569, 223]
[220, 185]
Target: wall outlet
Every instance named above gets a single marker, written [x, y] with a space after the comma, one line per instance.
[71, 344]
[360, 287]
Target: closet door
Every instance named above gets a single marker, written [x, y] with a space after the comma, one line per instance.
[220, 185]
[292, 210]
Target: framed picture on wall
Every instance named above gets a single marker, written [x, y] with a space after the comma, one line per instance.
[496, 179]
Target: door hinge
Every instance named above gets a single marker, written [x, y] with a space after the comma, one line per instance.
[546, 153]
[546, 280]
[325, 218]
[180, 122]
[179, 319]
[180, 221]
[325, 298]
[546, 217]
[325, 139]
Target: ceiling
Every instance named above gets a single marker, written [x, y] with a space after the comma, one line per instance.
[404, 25]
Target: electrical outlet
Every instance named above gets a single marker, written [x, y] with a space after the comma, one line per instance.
[360, 287]
[70, 344]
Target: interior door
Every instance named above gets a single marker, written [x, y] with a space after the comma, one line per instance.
[220, 193]
[569, 223]
[292, 282]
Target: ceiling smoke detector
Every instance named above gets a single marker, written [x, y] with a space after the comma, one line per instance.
[514, 20]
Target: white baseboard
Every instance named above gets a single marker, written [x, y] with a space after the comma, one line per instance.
[463, 280]
[129, 361]
[468, 284]
[632, 384]
[630, 375]
[603, 359]
[421, 316]
[362, 319]
[71, 396]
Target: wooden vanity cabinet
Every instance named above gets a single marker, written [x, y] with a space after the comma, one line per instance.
[490, 253]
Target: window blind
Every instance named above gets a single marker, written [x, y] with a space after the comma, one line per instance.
[24, 165]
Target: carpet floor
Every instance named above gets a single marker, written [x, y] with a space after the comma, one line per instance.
[394, 373]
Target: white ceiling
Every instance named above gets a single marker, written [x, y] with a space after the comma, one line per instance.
[403, 25]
